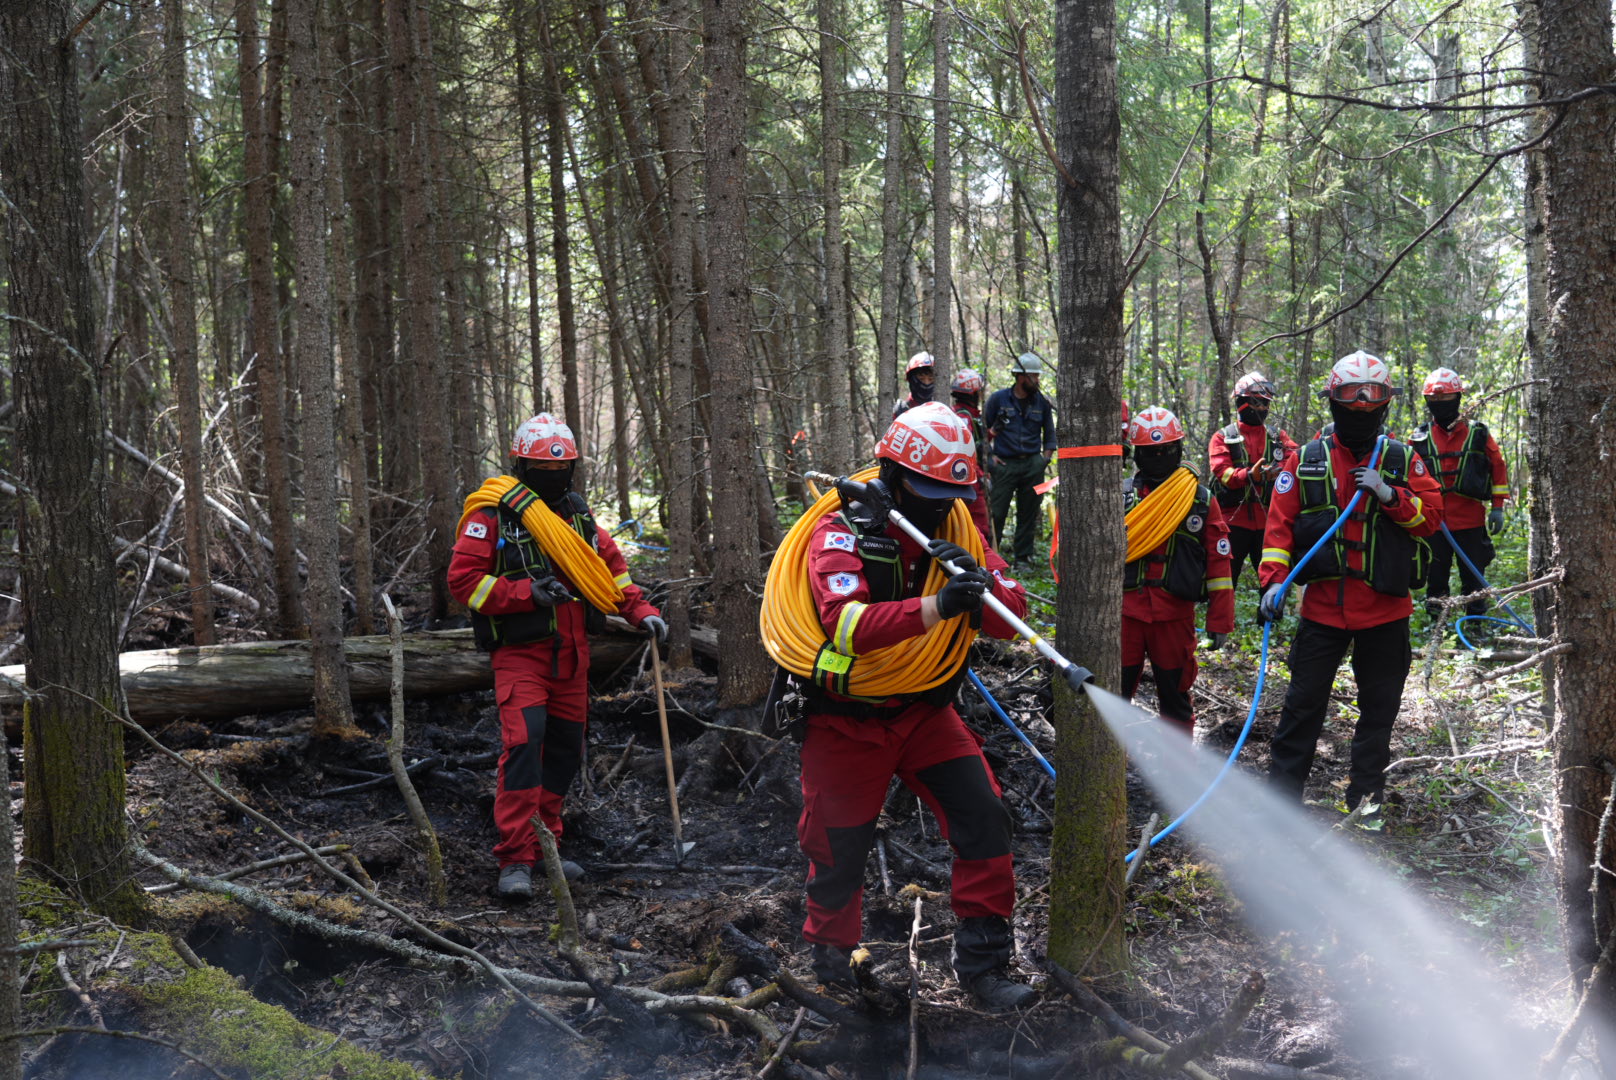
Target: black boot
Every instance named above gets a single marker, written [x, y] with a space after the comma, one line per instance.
[833, 966]
[981, 956]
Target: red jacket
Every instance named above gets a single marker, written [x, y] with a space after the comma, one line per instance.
[1461, 511]
[1153, 604]
[1347, 603]
[1252, 513]
[474, 578]
[978, 506]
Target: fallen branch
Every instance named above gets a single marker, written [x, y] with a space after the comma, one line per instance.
[834, 1011]
[1141, 851]
[1208, 1039]
[183, 573]
[1530, 662]
[438, 884]
[1484, 752]
[262, 864]
[1096, 1006]
[784, 1044]
[1264, 1070]
[914, 993]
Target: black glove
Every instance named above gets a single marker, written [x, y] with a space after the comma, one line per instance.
[1272, 607]
[962, 594]
[1219, 640]
[548, 592]
[948, 551]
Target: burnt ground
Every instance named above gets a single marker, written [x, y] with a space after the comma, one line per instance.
[1451, 838]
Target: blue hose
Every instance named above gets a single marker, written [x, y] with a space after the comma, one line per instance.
[1011, 724]
[639, 530]
[1458, 624]
[1262, 668]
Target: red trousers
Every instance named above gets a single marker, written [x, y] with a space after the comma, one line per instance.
[847, 766]
[1170, 648]
[542, 718]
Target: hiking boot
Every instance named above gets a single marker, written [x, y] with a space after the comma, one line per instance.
[516, 882]
[571, 870]
[833, 966]
[998, 992]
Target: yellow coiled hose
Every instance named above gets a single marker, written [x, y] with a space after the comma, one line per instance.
[559, 541]
[792, 633]
[1153, 518]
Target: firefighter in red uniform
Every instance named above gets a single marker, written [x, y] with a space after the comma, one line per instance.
[865, 575]
[966, 390]
[1160, 590]
[524, 611]
[922, 380]
[1466, 459]
[1358, 596]
[1244, 458]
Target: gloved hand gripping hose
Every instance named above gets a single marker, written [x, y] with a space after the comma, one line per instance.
[1262, 668]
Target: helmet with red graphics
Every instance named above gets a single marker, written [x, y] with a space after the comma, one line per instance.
[1153, 427]
[966, 381]
[1442, 381]
[919, 360]
[935, 447]
[1360, 378]
[544, 438]
[1254, 384]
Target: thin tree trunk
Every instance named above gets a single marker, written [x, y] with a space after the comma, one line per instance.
[73, 813]
[744, 669]
[178, 270]
[530, 229]
[681, 341]
[1086, 889]
[889, 361]
[836, 433]
[258, 193]
[942, 207]
[555, 102]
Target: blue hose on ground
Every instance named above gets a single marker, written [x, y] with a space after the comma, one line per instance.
[1011, 724]
[1458, 624]
[1262, 667]
[635, 540]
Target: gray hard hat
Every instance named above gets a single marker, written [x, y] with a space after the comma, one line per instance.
[1028, 363]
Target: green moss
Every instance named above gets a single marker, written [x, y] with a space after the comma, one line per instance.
[43, 904]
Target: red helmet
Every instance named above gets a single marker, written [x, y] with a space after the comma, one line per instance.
[919, 360]
[1254, 384]
[544, 438]
[1443, 381]
[1154, 426]
[966, 381]
[1360, 377]
[935, 445]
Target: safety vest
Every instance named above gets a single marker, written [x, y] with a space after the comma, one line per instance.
[1473, 478]
[1235, 440]
[882, 561]
[519, 557]
[1394, 560]
[1184, 575]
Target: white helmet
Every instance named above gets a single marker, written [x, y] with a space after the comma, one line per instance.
[1028, 363]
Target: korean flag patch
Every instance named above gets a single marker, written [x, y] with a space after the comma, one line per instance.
[1223, 546]
[839, 541]
[1285, 482]
[842, 584]
[477, 530]
[1193, 523]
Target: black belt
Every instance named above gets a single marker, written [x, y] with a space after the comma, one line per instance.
[1017, 457]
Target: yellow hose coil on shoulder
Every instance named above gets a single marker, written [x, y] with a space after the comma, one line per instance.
[558, 540]
[1153, 518]
[793, 636]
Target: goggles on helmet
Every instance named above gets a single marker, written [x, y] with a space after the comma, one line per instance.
[1371, 393]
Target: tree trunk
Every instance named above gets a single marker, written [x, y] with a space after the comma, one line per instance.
[836, 452]
[888, 360]
[744, 669]
[177, 276]
[681, 339]
[942, 206]
[1086, 866]
[73, 816]
[1578, 184]
[530, 229]
[333, 714]
[257, 196]
[555, 109]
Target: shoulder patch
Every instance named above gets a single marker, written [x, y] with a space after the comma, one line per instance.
[1286, 481]
[1002, 580]
[1419, 467]
[476, 530]
[1193, 523]
[840, 541]
[842, 584]
[1223, 546]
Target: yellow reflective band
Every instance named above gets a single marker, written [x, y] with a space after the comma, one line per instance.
[845, 625]
[1500, 489]
[622, 580]
[1216, 583]
[479, 595]
[1419, 514]
[1227, 473]
[1279, 555]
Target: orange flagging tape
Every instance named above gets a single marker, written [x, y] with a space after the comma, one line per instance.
[1089, 451]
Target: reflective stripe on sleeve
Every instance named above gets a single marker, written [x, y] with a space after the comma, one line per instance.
[1419, 513]
[1227, 475]
[479, 595]
[1279, 555]
[1213, 584]
[1500, 489]
[622, 581]
[846, 623]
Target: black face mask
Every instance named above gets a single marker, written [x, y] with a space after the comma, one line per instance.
[548, 484]
[918, 390]
[1355, 428]
[1443, 412]
[925, 514]
[1158, 462]
[1251, 416]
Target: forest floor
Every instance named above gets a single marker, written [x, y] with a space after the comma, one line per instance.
[1456, 833]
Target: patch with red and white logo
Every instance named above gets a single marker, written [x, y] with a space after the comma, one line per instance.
[1002, 580]
[840, 541]
[1419, 467]
[476, 530]
[842, 584]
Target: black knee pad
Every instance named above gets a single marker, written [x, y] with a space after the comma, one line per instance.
[523, 767]
[978, 823]
[563, 755]
[833, 886]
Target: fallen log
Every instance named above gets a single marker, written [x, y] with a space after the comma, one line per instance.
[220, 681]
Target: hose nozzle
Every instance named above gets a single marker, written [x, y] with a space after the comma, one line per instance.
[1078, 677]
